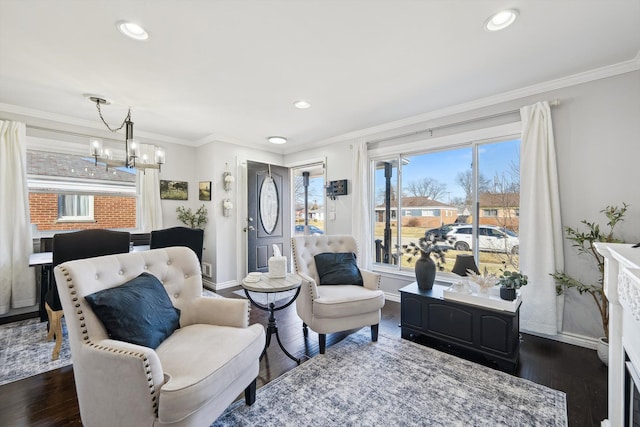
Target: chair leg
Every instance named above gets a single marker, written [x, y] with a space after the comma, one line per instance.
[250, 393]
[50, 333]
[374, 332]
[322, 340]
[55, 329]
[305, 330]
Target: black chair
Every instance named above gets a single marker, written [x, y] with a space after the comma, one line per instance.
[192, 238]
[78, 245]
[140, 239]
[464, 263]
[46, 273]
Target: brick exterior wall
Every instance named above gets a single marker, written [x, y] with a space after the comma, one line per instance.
[108, 212]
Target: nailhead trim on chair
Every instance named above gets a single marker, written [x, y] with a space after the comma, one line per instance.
[295, 265]
[85, 337]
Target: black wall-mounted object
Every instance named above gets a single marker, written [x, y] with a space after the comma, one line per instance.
[337, 188]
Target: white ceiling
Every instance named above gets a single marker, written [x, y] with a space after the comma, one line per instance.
[230, 70]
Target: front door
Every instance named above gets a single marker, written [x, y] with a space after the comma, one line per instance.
[269, 214]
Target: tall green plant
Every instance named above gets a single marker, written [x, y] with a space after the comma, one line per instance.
[584, 241]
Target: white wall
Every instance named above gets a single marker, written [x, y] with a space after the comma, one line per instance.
[596, 128]
[224, 238]
[179, 167]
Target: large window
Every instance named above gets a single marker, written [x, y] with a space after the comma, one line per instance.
[70, 192]
[464, 199]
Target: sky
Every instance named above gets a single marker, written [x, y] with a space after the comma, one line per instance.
[445, 165]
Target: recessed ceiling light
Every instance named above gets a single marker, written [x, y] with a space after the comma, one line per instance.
[302, 104]
[132, 30]
[277, 139]
[501, 20]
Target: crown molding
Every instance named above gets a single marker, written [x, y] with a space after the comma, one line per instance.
[66, 121]
[560, 83]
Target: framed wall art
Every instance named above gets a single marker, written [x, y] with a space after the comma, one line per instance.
[174, 190]
[204, 191]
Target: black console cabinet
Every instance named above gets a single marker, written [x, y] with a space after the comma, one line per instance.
[494, 334]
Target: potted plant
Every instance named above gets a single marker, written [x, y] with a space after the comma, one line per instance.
[509, 282]
[584, 241]
[431, 258]
[194, 220]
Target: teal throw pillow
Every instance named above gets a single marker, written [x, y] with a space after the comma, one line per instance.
[338, 268]
[138, 311]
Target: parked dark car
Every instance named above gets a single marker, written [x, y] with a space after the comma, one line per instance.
[313, 230]
[439, 234]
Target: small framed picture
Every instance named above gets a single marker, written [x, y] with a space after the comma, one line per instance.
[174, 190]
[204, 191]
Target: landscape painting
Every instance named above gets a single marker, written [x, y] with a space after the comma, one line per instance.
[174, 190]
[204, 190]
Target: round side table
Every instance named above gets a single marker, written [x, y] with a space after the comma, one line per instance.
[270, 285]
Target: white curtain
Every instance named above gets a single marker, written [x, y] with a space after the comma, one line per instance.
[360, 219]
[149, 188]
[540, 223]
[17, 279]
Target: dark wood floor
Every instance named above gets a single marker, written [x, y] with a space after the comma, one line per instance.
[49, 399]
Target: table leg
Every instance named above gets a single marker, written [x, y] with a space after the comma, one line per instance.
[45, 285]
[272, 328]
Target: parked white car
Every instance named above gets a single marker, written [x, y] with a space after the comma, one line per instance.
[492, 239]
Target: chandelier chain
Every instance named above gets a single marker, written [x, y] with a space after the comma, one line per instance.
[126, 119]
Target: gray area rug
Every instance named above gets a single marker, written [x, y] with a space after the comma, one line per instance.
[395, 382]
[24, 351]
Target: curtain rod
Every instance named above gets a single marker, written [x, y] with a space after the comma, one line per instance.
[553, 103]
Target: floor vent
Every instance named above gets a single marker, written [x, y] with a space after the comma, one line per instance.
[207, 269]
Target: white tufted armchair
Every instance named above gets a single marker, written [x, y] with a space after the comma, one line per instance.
[190, 378]
[333, 308]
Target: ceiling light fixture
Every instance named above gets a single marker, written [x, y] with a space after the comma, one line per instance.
[501, 20]
[133, 157]
[132, 30]
[302, 104]
[277, 139]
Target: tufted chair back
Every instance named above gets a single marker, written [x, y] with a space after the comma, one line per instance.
[177, 269]
[306, 247]
[333, 308]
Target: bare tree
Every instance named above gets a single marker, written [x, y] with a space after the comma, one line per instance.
[427, 187]
[380, 196]
[465, 180]
[506, 195]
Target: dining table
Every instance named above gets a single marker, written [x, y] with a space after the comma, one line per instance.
[44, 260]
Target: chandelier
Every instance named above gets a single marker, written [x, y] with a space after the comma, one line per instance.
[133, 156]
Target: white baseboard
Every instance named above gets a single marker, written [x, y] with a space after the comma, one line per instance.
[569, 338]
[390, 296]
[224, 285]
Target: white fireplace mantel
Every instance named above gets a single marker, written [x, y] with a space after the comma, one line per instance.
[622, 288]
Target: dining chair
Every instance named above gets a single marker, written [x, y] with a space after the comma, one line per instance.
[78, 245]
[193, 238]
[140, 239]
[46, 276]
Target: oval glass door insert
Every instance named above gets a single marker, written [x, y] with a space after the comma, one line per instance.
[268, 205]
